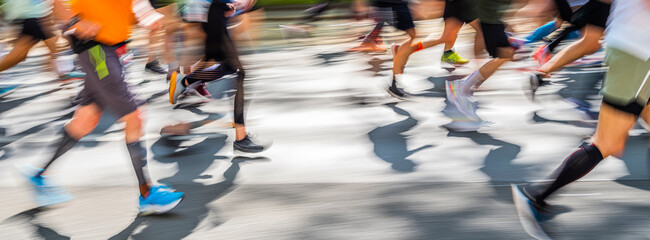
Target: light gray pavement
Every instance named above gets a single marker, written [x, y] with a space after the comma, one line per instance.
[347, 161]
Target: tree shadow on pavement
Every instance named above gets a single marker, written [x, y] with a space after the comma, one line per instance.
[30, 216]
[390, 142]
[194, 209]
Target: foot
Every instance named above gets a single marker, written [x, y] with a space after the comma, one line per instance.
[176, 86]
[368, 47]
[7, 89]
[73, 75]
[161, 199]
[461, 99]
[539, 207]
[516, 43]
[536, 81]
[453, 58]
[542, 54]
[396, 92]
[46, 194]
[191, 94]
[202, 89]
[247, 145]
[154, 66]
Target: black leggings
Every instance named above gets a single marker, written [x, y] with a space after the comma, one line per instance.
[207, 74]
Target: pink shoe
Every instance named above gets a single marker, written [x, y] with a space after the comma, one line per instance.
[201, 88]
[542, 55]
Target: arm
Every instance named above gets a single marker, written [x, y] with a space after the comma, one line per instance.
[82, 29]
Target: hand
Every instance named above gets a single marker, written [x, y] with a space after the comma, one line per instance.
[86, 30]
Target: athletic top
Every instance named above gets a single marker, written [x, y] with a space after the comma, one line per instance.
[491, 11]
[115, 16]
[24, 9]
[627, 30]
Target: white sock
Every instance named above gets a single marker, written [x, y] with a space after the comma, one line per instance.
[472, 80]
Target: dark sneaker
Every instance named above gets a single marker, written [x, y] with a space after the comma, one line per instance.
[396, 92]
[540, 206]
[154, 66]
[536, 81]
[247, 145]
[528, 215]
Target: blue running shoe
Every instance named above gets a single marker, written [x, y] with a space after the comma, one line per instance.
[46, 193]
[7, 89]
[161, 199]
[73, 75]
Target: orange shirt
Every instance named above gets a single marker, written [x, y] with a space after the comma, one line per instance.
[115, 16]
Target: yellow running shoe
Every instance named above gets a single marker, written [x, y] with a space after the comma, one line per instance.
[453, 58]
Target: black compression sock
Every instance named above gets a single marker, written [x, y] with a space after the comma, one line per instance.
[139, 160]
[578, 164]
[66, 143]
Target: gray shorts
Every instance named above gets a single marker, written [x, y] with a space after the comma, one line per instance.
[104, 84]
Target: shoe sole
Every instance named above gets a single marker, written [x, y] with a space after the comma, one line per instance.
[10, 91]
[242, 150]
[173, 88]
[152, 71]
[160, 209]
[526, 216]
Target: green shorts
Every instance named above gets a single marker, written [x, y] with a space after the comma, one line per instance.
[627, 85]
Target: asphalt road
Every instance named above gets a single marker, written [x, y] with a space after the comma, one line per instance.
[347, 161]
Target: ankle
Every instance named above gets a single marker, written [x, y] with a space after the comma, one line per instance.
[144, 190]
[240, 132]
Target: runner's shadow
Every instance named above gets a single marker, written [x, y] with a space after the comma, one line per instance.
[332, 57]
[390, 143]
[439, 86]
[498, 162]
[8, 151]
[14, 103]
[29, 216]
[195, 209]
[582, 124]
[376, 66]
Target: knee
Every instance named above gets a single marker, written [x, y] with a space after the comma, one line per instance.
[609, 147]
[80, 127]
[133, 121]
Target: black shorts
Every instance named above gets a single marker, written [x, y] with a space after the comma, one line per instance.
[495, 37]
[593, 13]
[38, 28]
[464, 10]
[564, 10]
[104, 84]
[401, 13]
